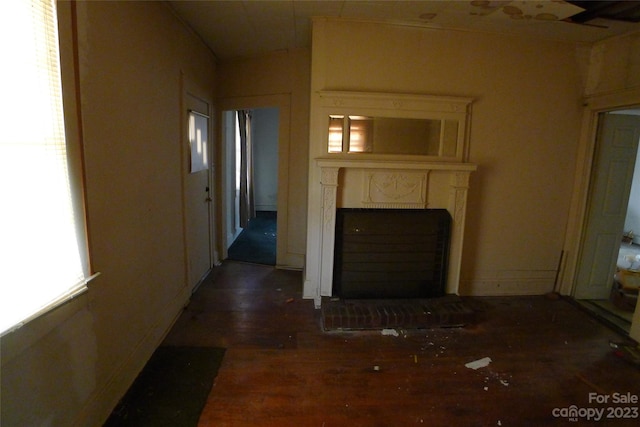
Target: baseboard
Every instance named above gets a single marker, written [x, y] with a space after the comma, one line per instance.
[99, 407]
[521, 283]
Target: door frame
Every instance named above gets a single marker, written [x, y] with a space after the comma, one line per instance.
[282, 102]
[585, 159]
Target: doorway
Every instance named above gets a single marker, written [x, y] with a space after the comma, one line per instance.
[608, 271]
[251, 169]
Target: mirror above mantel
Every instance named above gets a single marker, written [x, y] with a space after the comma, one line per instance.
[432, 128]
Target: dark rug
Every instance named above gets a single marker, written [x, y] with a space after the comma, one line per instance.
[257, 242]
[171, 390]
[443, 312]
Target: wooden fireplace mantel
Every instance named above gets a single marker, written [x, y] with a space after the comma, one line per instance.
[391, 184]
[401, 175]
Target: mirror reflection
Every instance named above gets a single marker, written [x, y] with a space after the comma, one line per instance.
[390, 135]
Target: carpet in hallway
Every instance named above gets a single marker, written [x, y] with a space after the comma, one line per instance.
[257, 242]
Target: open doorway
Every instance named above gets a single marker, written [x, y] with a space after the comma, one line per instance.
[251, 168]
[608, 274]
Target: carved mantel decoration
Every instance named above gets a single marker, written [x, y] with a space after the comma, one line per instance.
[395, 189]
[438, 178]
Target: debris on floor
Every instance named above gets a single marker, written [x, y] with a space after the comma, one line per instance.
[627, 351]
[390, 332]
[480, 363]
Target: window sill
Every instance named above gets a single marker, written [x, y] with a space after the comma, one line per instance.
[63, 299]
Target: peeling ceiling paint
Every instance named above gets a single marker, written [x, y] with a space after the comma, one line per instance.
[242, 28]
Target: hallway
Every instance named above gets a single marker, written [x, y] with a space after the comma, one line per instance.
[281, 369]
[257, 242]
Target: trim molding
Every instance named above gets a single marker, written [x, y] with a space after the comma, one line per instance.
[526, 283]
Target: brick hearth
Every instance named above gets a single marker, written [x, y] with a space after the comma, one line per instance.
[447, 311]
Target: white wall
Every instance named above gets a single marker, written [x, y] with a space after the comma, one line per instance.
[264, 124]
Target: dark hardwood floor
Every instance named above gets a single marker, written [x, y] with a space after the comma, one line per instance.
[281, 369]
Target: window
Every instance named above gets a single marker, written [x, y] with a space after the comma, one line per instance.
[43, 257]
[198, 141]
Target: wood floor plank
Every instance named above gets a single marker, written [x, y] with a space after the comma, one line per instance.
[281, 369]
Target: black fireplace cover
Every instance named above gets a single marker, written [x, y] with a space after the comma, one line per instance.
[391, 253]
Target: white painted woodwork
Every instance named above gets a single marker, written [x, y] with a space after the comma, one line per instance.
[359, 180]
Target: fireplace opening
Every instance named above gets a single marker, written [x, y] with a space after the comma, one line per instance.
[391, 253]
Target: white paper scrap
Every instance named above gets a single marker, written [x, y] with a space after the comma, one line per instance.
[390, 332]
[480, 363]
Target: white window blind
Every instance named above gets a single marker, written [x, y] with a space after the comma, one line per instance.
[40, 253]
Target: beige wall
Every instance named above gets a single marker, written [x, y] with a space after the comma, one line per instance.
[524, 131]
[265, 81]
[614, 65]
[71, 366]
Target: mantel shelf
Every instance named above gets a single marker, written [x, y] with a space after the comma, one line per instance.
[391, 163]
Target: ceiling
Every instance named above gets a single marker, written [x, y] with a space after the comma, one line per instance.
[246, 28]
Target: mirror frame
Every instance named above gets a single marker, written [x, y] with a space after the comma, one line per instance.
[406, 106]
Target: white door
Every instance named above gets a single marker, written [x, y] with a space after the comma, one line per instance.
[198, 204]
[617, 145]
